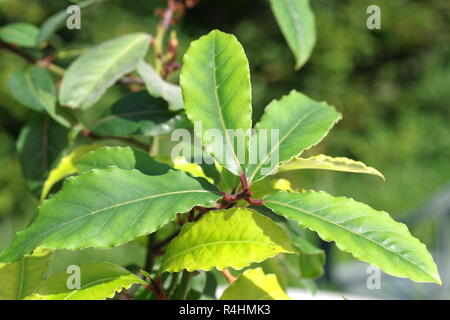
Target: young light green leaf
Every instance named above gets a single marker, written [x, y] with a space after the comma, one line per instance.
[215, 80]
[40, 146]
[301, 123]
[122, 157]
[20, 279]
[28, 84]
[296, 21]
[109, 207]
[98, 281]
[65, 167]
[370, 235]
[228, 238]
[139, 113]
[21, 34]
[311, 258]
[324, 162]
[253, 284]
[160, 88]
[90, 75]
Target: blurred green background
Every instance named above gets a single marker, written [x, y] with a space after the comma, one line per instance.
[392, 86]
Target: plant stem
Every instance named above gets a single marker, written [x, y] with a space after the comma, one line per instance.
[173, 285]
[185, 284]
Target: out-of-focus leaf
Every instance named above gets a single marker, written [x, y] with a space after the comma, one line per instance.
[160, 88]
[215, 80]
[20, 279]
[65, 167]
[108, 207]
[296, 21]
[28, 85]
[253, 284]
[122, 157]
[21, 34]
[139, 113]
[301, 123]
[58, 20]
[227, 238]
[90, 75]
[370, 235]
[40, 145]
[329, 163]
[98, 281]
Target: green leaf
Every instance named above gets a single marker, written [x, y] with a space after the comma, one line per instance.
[227, 238]
[20, 33]
[215, 80]
[296, 21]
[40, 146]
[301, 123]
[122, 157]
[160, 88]
[98, 281]
[20, 279]
[311, 258]
[90, 75]
[65, 167]
[109, 207]
[253, 284]
[370, 235]
[139, 113]
[28, 85]
[329, 163]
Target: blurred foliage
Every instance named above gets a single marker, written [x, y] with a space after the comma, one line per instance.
[392, 86]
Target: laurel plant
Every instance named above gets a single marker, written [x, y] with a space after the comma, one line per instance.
[196, 220]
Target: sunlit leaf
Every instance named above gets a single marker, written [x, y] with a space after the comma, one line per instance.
[98, 281]
[215, 80]
[228, 238]
[370, 235]
[21, 279]
[253, 284]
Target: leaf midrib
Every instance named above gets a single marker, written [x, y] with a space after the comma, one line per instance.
[349, 230]
[58, 227]
[221, 243]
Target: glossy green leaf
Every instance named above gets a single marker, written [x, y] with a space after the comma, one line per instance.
[20, 279]
[253, 284]
[324, 162]
[369, 235]
[160, 88]
[28, 86]
[109, 207]
[227, 238]
[122, 157]
[65, 167]
[138, 113]
[40, 146]
[98, 281]
[90, 75]
[215, 80]
[301, 123]
[297, 23]
[21, 34]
